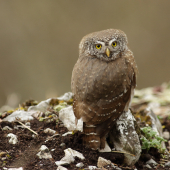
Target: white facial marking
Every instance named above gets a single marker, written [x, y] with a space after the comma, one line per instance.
[110, 42]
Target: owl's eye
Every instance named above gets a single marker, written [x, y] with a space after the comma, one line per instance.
[98, 46]
[114, 44]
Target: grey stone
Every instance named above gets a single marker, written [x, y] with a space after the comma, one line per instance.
[13, 138]
[21, 114]
[167, 164]
[66, 97]
[147, 166]
[151, 162]
[79, 165]
[44, 153]
[42, 106]
[61, 168]
[166, 135]
[6, 128]
[115, 167]
[103, 162]
[125, 139]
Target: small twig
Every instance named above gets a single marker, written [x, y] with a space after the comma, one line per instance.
[27, 127]
[123, 152]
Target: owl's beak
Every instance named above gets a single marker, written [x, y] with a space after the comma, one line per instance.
[107, 52]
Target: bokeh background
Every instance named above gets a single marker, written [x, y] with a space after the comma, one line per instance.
[39, 42]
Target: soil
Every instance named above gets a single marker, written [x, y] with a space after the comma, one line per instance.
[23, 154]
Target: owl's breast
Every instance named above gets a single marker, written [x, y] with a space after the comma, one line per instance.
[94, 79]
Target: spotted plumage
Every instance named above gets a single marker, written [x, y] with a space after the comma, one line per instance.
[103, 82]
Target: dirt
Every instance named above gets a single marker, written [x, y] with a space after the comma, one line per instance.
[23, 154]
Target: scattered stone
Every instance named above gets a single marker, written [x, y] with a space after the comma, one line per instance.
[50, 131]
[61, 125]
[42, 106]
[147, 166]
[66, 115]
[6, 128]
[92, 167]
[106, 149]
[151, 162]
[167, 164]
[20, 114]
[125, 139]
[70, 154]
[66, 97]
[166, 135]
[116, 167]
[67, 133]
[44, 153]
[79, 165]
[61, 168]
[62, 144]
[102, 162]
[28, 124]
[13, 138]
[21, 168]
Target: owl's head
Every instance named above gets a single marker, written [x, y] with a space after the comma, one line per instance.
[105, 45]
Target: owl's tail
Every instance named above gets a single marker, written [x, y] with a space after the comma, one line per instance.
[91, 139]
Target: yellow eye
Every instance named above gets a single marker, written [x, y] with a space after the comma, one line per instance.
[98, 46]
[114, 44]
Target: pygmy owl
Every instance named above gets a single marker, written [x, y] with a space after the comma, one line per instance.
[103, 82]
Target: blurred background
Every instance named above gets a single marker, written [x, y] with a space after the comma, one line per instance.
[39, 42]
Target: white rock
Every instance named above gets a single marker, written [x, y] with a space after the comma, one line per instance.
[6, 128]
[92, 167]
[21, 168]
[61, 168]
[51, 131]
[21, 114]
[79, 165]
[147, 166]
[167, 163]
[116, 167]
[70, 154]
[44, 153]
[62, 144]
[66, 97]
[42, 106]
[166, 135]
[106, 149]
[13, 138]
[103, 162]
[151, 162]
[66, 115]
[67, 133]
[125, 138]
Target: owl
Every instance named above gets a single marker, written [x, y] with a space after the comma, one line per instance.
[103, 82]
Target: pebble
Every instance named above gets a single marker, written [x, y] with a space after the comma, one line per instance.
[115, 167]
[50, 131]
[92, 167]
[167, 164]
[61, 168]
[102, 162]
[62, 144]
[67, 133]
[6, 128]
[147, 166]
[13, 138]
[151, 162]
[79, 165]
[44, 153]
[166, 135]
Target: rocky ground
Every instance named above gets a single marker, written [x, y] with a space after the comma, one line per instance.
[42, 141]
